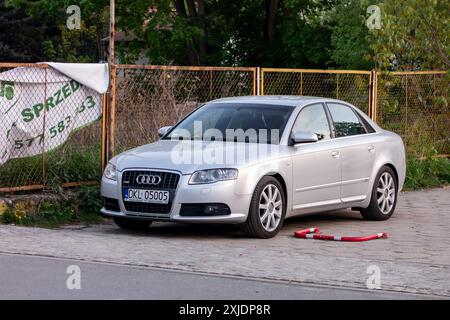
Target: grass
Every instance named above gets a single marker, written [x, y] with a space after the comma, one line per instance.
[426, 173]
[79, 206]
[64, 164]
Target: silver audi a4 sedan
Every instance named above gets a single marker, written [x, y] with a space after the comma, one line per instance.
[255, 161]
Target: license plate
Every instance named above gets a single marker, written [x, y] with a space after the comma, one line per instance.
[147, 196]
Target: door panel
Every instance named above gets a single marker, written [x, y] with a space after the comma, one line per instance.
[357, 152]
[358, 156]
[317, 165]
[316, 174]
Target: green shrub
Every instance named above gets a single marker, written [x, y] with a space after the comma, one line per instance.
[426, 173]
[79, 206]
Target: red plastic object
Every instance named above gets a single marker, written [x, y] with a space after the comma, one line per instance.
[314, 233]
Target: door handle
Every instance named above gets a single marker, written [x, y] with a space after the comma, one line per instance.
[335, 154]
[371, 148]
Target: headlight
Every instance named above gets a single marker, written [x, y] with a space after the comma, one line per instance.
[110, 172]
[213, 175]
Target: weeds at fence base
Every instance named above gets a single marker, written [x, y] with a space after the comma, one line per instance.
[81, 205]
[426, 173]
[64, 164]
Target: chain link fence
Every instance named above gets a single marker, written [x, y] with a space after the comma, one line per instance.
[350, 86]
[413, 104]
[416, 106]
[155, 96]
[47, 139]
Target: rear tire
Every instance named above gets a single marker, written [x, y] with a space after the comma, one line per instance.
[130, 224]
[267, 209]
[384, 196]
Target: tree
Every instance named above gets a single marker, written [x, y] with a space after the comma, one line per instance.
[164, 31]
[226, 32]
[45, 21]
[21, 35]
[272, 33]
[305, 34]
[414, 35]
[281, 33]
[350, 37]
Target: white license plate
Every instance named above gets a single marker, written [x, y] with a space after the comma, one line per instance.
[147, 196]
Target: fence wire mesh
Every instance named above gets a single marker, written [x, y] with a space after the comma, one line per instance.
[350, 86]
[51, 140]
[152, 97]
[415, 105]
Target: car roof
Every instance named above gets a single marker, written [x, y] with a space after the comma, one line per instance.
[284, 100]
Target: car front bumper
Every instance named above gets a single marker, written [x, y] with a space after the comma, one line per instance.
[219, 192]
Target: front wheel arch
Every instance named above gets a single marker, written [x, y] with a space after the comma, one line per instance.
[280, 179]
[253, 226]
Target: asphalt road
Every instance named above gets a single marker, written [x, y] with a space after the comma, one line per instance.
[36, 277]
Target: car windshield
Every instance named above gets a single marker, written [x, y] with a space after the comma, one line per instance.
[239, 122]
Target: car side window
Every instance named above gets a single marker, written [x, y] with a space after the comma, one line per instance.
[346, 122]
[313, 119]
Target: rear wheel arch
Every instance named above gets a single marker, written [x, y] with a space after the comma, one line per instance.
[390, 165]
[384, 199]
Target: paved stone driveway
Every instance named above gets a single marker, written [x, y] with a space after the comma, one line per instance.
[415, 257]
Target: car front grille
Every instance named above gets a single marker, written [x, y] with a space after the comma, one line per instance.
[169, 182]
[148, 207]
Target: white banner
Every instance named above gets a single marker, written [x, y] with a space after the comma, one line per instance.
[39, 108]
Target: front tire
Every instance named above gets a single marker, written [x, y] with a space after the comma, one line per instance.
[267, 209]
[130, 224]
[384, 196]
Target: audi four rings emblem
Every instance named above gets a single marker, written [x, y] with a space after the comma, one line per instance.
[148, 179]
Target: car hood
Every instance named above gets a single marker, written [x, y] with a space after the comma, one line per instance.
[190, 156]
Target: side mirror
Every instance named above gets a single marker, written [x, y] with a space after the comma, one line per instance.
[162, 131]
[304, 137]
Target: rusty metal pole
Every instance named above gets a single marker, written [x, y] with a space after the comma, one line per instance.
[406, 105]
[337, 85]
[210, 84]
[370, 110]
[260, 82]
[44, 180]
[375, 104]
[112, 82]
[301, 83]
[104, 128]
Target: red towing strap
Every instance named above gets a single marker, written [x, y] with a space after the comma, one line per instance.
[314, 233]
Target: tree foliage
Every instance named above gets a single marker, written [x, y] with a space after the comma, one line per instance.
[55, 41]
[270, 33]
[21, 35]
[414, 35]
[350, 37]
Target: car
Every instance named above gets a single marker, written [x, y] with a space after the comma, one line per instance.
[255, 161]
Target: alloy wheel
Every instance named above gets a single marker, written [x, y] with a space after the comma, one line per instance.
[270, 207]
[386, 192]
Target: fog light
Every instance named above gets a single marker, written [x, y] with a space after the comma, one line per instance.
[210, 209]
[204, 209]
